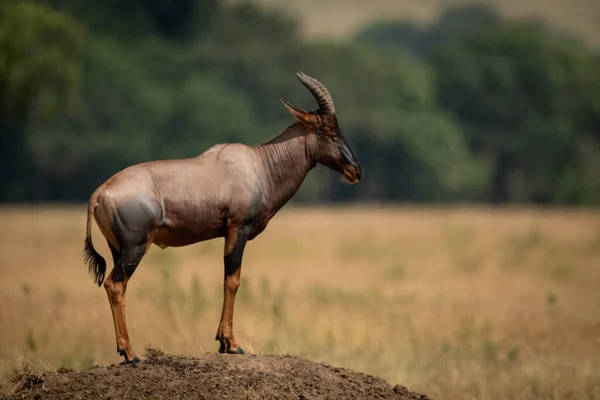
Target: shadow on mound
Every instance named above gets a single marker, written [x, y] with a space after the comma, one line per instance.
[212, 376]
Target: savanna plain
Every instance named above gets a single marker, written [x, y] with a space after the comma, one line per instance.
[457, 303]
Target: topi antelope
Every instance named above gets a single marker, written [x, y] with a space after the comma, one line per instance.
[231, 190]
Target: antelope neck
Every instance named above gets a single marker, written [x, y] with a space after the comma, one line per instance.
[286, 160]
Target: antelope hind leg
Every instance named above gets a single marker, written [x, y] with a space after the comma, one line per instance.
[116, 286]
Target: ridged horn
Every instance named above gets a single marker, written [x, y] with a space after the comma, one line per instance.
[319, 91]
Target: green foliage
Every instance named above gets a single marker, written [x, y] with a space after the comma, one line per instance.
[129, 20]
[454, 24]
[413, 150]
[521, 94]
[491, 111]
[39, 52]
[38, 56]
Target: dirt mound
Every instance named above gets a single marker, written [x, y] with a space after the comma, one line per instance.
[211, 376]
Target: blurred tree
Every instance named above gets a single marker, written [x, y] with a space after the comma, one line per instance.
[111, 122]
[135, 106]
[133, 20]
[256, 51]
[454, 23]
[526, 98]
[396, 35]
[206, 112]
[387, 107]
[39, 50]
[164, 79]
[181, 19]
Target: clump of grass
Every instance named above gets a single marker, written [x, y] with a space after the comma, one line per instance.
[466, 263]
[30, 340]
[396, 271]
[513, 354]
[24, 375]
[152, 354]
[490, 350]
[26, 289]
[534, 237]
[519, 247]
[531, 239]
[561, 272]
[551, 299]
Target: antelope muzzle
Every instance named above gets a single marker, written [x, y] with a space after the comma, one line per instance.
[351, 169]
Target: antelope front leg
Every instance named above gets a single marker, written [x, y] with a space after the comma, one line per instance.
[234, 249]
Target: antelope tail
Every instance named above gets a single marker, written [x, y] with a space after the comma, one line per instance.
[96, 263]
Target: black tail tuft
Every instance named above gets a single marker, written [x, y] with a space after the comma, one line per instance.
[96, 263]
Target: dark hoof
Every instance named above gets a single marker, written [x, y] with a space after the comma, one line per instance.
[123, 354]
[135, 361]
[223, 341]
[224, 348]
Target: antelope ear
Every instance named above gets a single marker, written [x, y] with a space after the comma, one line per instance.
[301, 115]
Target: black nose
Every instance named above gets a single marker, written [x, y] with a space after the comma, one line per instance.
[359, 172]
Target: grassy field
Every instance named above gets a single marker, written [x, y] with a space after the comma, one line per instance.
[465, 303]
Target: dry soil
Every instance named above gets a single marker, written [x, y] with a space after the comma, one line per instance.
[211, 376]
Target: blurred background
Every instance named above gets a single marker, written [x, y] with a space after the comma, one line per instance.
[464, 265]
[490, 101]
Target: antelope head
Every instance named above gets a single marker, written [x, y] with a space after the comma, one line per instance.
[332, 150]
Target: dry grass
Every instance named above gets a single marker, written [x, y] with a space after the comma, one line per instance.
[457, 303]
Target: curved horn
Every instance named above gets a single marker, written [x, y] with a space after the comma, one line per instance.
[319, 91]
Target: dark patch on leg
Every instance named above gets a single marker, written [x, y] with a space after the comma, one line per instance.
[114, 252]
[233, 260]
[133, 259]
[127, 262]
[116, 255]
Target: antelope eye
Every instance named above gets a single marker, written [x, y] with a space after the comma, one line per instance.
[335, 138]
